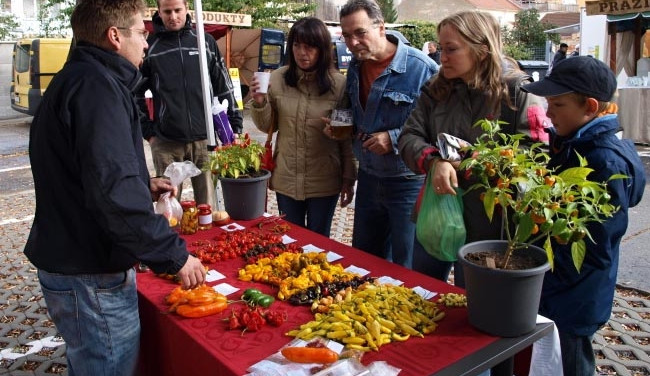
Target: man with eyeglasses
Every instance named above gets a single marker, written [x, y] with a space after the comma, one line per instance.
[94, 217]
[383, 82]
[172, 71]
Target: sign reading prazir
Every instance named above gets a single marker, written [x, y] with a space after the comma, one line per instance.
[218, 18]
[616, 6]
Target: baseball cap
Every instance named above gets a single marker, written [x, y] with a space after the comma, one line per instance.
[581, 74]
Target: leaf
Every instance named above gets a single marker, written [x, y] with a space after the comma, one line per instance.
[558, 226]
[575, 175]
[618, 176]
[549, 252]
[583, 160]
[488, 203]
[578, 251]
[525, 228]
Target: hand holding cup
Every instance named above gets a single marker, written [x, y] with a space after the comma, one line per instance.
[259, 86]
[341, 124]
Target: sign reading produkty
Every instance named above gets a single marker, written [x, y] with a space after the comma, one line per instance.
[215, 18]
[616, 6]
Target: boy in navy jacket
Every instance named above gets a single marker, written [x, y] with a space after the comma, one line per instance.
[579, 91]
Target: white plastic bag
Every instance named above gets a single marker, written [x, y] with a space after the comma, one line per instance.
[168, 205]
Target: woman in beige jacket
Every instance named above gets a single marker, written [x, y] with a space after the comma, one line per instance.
[312, 170]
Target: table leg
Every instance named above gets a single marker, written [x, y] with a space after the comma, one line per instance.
[505, 368]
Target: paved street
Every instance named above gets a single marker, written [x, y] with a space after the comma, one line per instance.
[29, 344]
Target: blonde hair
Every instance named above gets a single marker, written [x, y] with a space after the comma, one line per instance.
[481, 31]
[604, 107]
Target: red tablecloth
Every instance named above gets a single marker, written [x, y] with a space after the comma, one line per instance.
[172, 345]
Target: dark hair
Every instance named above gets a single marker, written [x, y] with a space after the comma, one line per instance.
[312, 32]
[564, 45]
[370, 6]
[91, 18]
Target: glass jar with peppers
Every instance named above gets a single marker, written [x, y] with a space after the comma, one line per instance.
[205, 217]
[190, 219]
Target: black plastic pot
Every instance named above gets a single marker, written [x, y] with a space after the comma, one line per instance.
[502, 302]
[245, 198]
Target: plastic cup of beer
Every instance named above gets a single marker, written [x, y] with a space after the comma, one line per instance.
[341, 123]
[263, 80]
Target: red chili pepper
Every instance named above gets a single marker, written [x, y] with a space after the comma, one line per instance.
[233, 322]
[275, 318]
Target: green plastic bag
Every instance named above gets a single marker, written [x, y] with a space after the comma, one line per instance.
[440, 227]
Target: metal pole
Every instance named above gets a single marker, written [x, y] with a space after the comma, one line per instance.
[205, 75]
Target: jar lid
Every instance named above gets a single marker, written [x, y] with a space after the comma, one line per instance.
[204, 207]
[188, 204]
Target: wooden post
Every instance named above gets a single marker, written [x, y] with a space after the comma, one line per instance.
[611, 30]
[638, 32]
[228, 46]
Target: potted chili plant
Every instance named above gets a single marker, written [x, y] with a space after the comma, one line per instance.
[238, 167]
[535, 205]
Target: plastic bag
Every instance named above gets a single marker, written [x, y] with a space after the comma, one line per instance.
[440, 227]
[221, 123]
[168, 205]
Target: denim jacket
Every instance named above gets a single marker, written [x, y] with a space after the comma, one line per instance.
[392, 97]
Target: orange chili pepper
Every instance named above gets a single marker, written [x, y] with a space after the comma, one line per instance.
[310, 354]
[187, 310]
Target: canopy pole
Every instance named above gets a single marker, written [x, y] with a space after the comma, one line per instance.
[205, 75]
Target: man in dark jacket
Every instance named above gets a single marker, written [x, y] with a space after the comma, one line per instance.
[94, 215]
[559, 56]
[434, 54]
[172, 72]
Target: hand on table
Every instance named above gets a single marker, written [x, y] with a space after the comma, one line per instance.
[192, 274]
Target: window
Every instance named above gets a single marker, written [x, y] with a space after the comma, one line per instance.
[22, 58]
[271, 54]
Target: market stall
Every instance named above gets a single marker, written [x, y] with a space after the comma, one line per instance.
[172, 345]
[627, 23]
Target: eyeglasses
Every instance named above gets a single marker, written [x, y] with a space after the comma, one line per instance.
[143, 32]
[358, 34]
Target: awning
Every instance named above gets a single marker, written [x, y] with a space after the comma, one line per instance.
[568, 29]
[624, 17]
[626, 22]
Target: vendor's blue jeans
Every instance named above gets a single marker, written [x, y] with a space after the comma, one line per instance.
[578, 357]
[424, 263]
[317, 211]
[382, 216]
[97, 316]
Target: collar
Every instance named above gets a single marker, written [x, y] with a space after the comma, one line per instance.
[398, 64]
[120, 68]
[585, 129]
[400, 59]
[304, 75]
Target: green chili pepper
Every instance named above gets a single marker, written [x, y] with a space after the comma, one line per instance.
[251, 294]
[263, 300]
